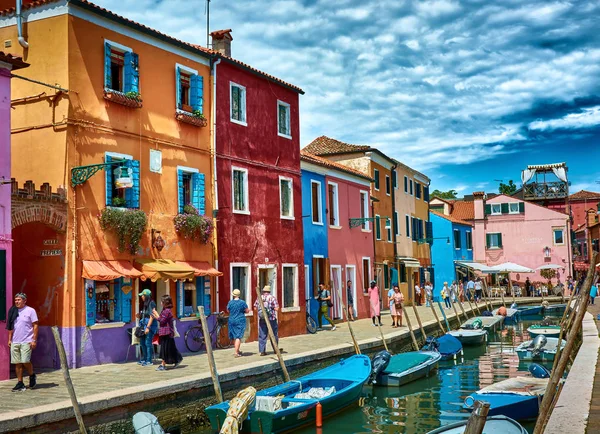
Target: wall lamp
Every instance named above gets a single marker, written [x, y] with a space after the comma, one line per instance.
[157, 241]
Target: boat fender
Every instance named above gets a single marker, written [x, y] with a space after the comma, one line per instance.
[380, 361]
[469, 401]
[539, 371]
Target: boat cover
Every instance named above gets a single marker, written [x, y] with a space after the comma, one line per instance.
[448, 344]
[518, 386]
[146, 423]
[316, 393]
[404, 361]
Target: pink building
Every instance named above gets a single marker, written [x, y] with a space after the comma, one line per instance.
[8, 63]
[513, 230]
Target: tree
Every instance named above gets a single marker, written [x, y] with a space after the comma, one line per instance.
[508, 189]
[450, 194]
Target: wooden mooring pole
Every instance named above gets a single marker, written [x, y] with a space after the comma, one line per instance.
[356, 347]
[444, 315]
[209, 352]
[64, 367]
[452, 303]
[412, 335]
[437, 318]
[476, 421]
[423, 335]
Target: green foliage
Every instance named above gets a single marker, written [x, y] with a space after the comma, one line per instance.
[507, 189]
[133, 95]
[548, 274]
[119, 202]
[192, 225]
[198, 114]
[450, 194]
[127, 224]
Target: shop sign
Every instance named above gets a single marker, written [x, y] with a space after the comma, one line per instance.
[57, 252]
[50, 242]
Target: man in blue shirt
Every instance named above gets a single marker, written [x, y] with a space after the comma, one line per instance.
[470, 288]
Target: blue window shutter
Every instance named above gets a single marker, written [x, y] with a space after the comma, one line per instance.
[200, 300]
[180, 198]
[90, 302]
[196, 92]
[118, 294]
[131, 72]
[422, 275]
[125, 303]
[109, 181]
[132, 195]
[178, 87]
[432, 276]
[107, 77]
[198, 192]
[180, 299]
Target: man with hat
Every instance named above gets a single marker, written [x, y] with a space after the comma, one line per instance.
[271, 306]
[22, 326]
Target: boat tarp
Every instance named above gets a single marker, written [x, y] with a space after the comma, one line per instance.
[405, 361]
[449, 344]
[518, 386]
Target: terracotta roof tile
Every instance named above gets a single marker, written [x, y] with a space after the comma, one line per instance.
[451, 218]
[463, 210]
[314, 159]
[16, 62]
[327, 146]
[584, 194]
[220, 34]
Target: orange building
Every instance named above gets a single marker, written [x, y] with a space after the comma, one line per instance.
[115, 116]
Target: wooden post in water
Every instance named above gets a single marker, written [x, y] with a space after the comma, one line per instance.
[419, 321]
[471, 306]
[412, 335]
[444, 315]
[476, 421]
[381, 333]
[462, 309]
[565, 326]
[263, 313]
[356, 347]
[557, 373]
[209, 352]
[64, 367]
[486, 296]
[455, 311]
[437, 318]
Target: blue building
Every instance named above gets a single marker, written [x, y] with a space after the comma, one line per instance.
[457, 247]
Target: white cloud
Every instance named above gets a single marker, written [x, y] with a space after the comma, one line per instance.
[589, 117]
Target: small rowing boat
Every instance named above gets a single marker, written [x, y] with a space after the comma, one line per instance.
[550, 331]
[491, 323]
[540, 348]
[493, 425]
[447, 345]
[555, 309]
[530, 310]
[405, 367]
[469, 337]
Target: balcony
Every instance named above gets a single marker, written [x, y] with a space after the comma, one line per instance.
[546, 190]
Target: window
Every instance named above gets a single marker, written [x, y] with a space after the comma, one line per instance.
[417, 190]
[377, 227]
[121, 68]
[496, 209]
[376, 178]
[493, 241]
[122, 181]
[387, 185]
[394, 179]
[190, 189]
[283, 120]
[240, 190]
[366, 272]
[107, 301]
[290, 285]
[238, 103]
[190, 295]
[469, 236]
[189, 89]
[334, 209]
[316, 202]
[396, 223]
[386, 277]
[513, 208]
[457, 244]
[426, 193]
[364, 209]
[410, 185]
[407, 226]
[286, 198]
[558, 236]
[388, 228]
[406, 184]
[240, 279]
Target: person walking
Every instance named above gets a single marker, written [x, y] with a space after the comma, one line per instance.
[236, 323]
[374, 302]
[396, 306]
[470, 288]
[350, 301]
[461, 292]
[428, 294]
[22, 326]
[593, 292]
[417, 294]
[149, 325]
[453, 291]
[324, 298]
[446, 295]
[528, 287]
[169, 353]
[271, 306]
[478, 290]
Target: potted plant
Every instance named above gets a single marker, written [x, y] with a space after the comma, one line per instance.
[129, 99]
[127, 224]
[119, 202]
[193, 226]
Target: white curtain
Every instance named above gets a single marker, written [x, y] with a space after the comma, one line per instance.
[526, 175]
[560, 173]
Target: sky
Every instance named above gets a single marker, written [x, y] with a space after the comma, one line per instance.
[468, 92]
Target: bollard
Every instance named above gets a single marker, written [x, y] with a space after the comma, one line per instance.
[319, 415]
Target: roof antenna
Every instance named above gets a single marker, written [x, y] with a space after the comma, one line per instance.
[207, 22]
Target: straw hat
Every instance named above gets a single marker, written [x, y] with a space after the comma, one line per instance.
[236, 293]
[267, 288]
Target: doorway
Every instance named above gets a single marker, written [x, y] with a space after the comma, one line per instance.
[320, 272]
[336, 290]
[267, 275]
[351, 276]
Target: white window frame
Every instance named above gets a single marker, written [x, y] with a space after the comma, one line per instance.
[470, 234]
[554, 230]
[492, 212]
[246, 193]
[284, 217]
[366, 224]
[275, 271]
[289, 121]
[456, 233]
[296, 305]
[244, 113]
[248, 299]
[320, 203]
[389, 232]
[366, 284]
[408, 225]
[336, 205]
[377, 224]
[493, 247]
[376, 178]
[513, 212]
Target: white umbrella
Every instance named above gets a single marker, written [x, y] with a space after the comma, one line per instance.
[511, 267]
[549, 267]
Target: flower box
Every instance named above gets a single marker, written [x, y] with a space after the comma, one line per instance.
[121, 98]
[191, 119]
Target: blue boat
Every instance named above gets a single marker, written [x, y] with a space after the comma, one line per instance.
[493, 425]
[518, 398]
[291, 405]
[555, 309]
[530, 310]
[447, 345]
[406, 367]
[512, 314]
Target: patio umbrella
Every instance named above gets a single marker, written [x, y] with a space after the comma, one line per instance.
[511, 267]
[549, 267]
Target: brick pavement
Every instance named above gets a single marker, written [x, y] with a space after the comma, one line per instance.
[593, 425]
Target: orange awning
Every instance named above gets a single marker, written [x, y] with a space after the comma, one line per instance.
[108, 270]
[163, 269]
[201, 268]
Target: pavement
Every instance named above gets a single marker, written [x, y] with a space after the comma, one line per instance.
[105, 386]
[593, 422]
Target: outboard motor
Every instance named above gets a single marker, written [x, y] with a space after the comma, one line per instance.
[379, 363]
[477, 324]
[539, 371]
[547, 321]
[431, 344]
[538, 344]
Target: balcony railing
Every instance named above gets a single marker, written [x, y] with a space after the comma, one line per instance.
[547, 190]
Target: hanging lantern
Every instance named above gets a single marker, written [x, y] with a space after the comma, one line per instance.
[123, 177]
[157, 241]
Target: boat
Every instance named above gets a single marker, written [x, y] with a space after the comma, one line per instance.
[554, 309]
[491, 323]
[540, 348]
[550, 331]
[447, 345]
[512, 314]
[518, 398]
[493, 425]
[469, 337]
[293, 404]
[406, 367]
[530, 310]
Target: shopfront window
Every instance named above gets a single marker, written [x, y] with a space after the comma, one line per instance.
[108, 301]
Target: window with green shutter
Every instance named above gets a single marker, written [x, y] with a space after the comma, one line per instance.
[377, 227]
[504, 208]
[376, 178]
[386, 277]
[493, 241]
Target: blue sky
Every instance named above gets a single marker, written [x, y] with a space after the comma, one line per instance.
[467, 92]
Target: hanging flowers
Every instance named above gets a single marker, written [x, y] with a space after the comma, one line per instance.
[127, 224]
[193, 226]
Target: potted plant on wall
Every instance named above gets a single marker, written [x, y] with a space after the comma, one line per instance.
[193, 226]
[130, 99]
[127, 224]
[192, 117]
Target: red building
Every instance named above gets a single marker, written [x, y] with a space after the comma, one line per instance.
[259, 217]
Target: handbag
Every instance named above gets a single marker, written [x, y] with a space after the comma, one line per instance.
[175, 331]
[329, 303]
[398, 305]
[139, 332]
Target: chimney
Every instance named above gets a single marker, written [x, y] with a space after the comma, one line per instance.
[221, 41]
[479, 204]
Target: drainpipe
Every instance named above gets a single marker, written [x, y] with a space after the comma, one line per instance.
[22, 40]
[215, 190]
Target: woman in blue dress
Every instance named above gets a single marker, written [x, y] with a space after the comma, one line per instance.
[237, 320]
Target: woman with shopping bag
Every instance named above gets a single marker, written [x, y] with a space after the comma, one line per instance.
[169, 353]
